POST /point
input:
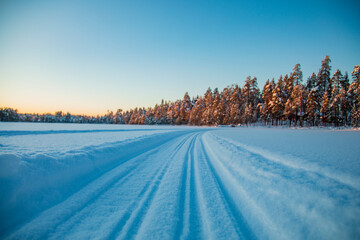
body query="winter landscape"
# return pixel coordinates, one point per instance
(179, 119)
(71, 181)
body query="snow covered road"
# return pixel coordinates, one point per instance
(178, 183)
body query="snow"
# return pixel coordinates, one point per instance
(49, 138)
(66, 181)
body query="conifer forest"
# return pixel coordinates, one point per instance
(323, 99)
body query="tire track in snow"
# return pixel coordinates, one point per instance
(165, 216)
(294, 176)
(83, 198)
(261, 224)
(80, 216)
(284, 188)
(40, 228)
(182, 197)
(65, 177)
(111, 225)
(137, 216)
(145, 195)
(191, 224)
(283, 163)
(217, 220)
(241, 225)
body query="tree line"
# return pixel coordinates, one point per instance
(323, 100)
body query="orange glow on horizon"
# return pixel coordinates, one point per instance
(32, 110)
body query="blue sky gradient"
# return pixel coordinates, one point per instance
(90, 56)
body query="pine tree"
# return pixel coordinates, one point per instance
(335, 98)
(312, 105)
(251, 95)
(288, 89)
(335, 107)
(142, 116)
(118, 117)
(177, 113)
(354, 95)
(298, 102)
(290, 108)
(277, 104)
(324, 111)
(329, 89)
(297, 74)
(265, 109)
(323, 76)
(344, 82)
(289, 111)
(164, 109)
(248, 115)
(236, 106)
(217, 108)
(288, 86)
(323, 80)
(170, 113)
(337, 79)
(311, 82)
(207, 116)
(58, 116)
(198, 108)
(185, 108)
(225, 103)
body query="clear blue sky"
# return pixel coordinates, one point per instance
(90, 56)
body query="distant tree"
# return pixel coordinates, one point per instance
(177, 113)
(58, 116)
(109, 116)
(185, 108)
(207, 116)
(354, 95)
(152, 115)
(288, 86)
(170, 113)
(217, 108)
(312, 106)
(265, 106)
(323, 76)
(251, 95)
(298, 98)
(225, 104)
(236, 105)
(163, 112)
(277, 104)
(297, 74)
(322, 84)
(9, 114)
(324, 111)
(197, 112)
(118, 118)
(248, 114)
(335, 99)
(68, 117)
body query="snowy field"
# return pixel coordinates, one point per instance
(73, 181)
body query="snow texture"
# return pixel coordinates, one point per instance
(71, 181)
